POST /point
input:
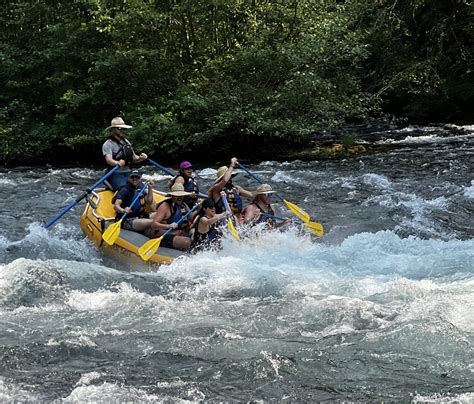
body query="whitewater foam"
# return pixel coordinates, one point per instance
(469, 191)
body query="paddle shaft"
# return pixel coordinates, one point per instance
(113, 231)
(180, 220)
(279, 217)
(309, 224)
(134, 200)
(80, 198)
(164, 169)
(149, 248)
(169, 172)
(314, 227)
(230, 224)
(226, 204)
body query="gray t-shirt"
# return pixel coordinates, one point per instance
(111, 147)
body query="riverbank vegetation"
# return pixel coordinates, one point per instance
(212, 76)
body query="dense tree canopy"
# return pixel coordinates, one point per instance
(217, 74)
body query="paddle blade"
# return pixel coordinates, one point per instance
(304, 216)
(111, 234)
(231, 227)
(316, 228)
(148, 249)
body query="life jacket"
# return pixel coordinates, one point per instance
(125, 152)
(201, 240)
(137, 208)
(234, 200)
(190, 185)
(177, 213)
(185, 224)
(265, 217)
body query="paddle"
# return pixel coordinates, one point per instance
(164, 169)
(169, 172)
(148, 249)
(314, 229)
(304, 216)
(230, 224)
(113, 231)
(80, 198)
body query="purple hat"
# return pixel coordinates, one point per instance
(184, 165)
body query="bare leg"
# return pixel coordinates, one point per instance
(141, 224)
(182, 243)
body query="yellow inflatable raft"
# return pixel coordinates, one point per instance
(99, 214)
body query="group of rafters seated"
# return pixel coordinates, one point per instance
(195, 223)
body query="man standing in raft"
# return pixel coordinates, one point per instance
(233, 192)
(117, 150)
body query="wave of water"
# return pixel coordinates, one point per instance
(277, 308)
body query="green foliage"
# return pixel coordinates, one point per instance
(347, 140)
(210, 75)
(421, 56)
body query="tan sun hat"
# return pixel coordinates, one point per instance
(178, 190)
(118, 122)
(221, 172)
(264, 189)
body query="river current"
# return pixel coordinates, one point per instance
(379, 309)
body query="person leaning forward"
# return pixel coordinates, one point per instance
(168, 213)
(137, 218)
(117, 150)
(233, 192)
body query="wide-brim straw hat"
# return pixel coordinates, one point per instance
(118, 122)
(221, 172)
(264, 189)
(178, 190)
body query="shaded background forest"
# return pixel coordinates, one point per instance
(208, 76)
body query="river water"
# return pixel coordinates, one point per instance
(380, 308)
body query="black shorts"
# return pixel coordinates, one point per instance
(167, 241)
(127, 223)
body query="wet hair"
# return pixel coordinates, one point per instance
(207, 203)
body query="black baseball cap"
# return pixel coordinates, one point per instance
(135, 173)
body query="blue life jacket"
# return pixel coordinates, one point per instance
(127, 194)
(265, 217)
(177, 213)
(137, 206)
